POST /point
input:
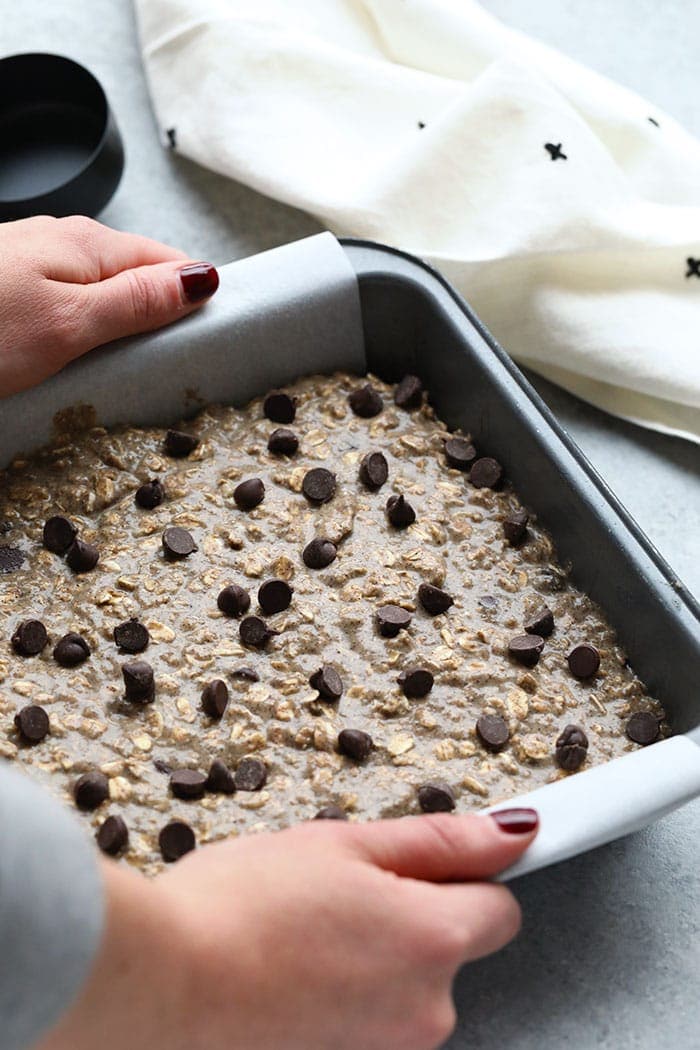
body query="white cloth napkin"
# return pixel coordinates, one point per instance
(564, 207)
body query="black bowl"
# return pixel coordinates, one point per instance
(60, 149)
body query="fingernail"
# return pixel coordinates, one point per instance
(199, 281)
(516, 821)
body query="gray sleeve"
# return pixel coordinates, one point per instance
(51, 909)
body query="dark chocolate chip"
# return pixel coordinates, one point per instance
(400, 512)
(220, 780)
(139, 683)
(249, 494)
(112, 836)
(488, 602)
(233, 600)
(215, 698)
(179, 444)
(486, 473)
(150, 495)
(374, 470)
(643, 728)
(29, 638)
(175, 840)
(91, 790)
(251, 775)
(187, 783)
(255, 632)
(515, 527)
(355, 744)
(11, 559)
(33, 723)
(319, 485)
(331, 812)
(71, 650)
(459, 453)
(274, 596)
(415, 682)
(328, 682)
(319, 553)
(365, 401)
(571, 748)
(283, 442)
(493, 732)
(434, 600)
(541, 622)
(247, 673)
(131, 636)
(526, 648)
(280, 407)
(584, 660)
(162, 767)
(58, 534)
(178, 543)
(409, 392)
(82, 556)
(391, 619)
(436, 798)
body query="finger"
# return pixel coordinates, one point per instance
(445, 848)
(470, 921)
(78, 249)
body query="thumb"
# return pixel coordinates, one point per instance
(445, 848)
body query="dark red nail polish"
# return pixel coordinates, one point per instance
(516, 821)
(199, 281)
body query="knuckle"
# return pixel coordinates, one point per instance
(65, 324)
(437, 1024)
(145, 298)
(79, 227)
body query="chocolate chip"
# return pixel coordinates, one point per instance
(112, 836)
(355, 744)
(328, 682)
(331, 812)
(220, 780)
(179, 444)
(526, 648)
(319, 553)
(251, 775)
(436, 798)
(433, 600)
(365, 401)
(215, 698)
(131, 636)
(150, 495)
(162, 767)
(11, 559)
(283, 442)
(71, 650)
(515, 527)
(643, 728)
(255, 632)
(415, 682)
(82, 556)
(400, 512)
(29, 638)
(571, 748)
(374, 470)
(488, 602)
(319, 485)
(139, 683)
(187, 783)
(493, 732)
(91, 790)
(175, 840)
(280, 407)
(58, 534)
(233, 600)
(274, 596)
(246, 672)
(459, 453)
(391, 619)
(249, 494)
(33, 723)
(541, 622)
(178, 543)
(409, 392)
(583, 660)
(486, 473)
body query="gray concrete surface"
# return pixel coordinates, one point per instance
(610, 951)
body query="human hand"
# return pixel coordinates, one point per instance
(68, 285)
(328, 936)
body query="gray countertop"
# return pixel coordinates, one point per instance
(610, 949)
